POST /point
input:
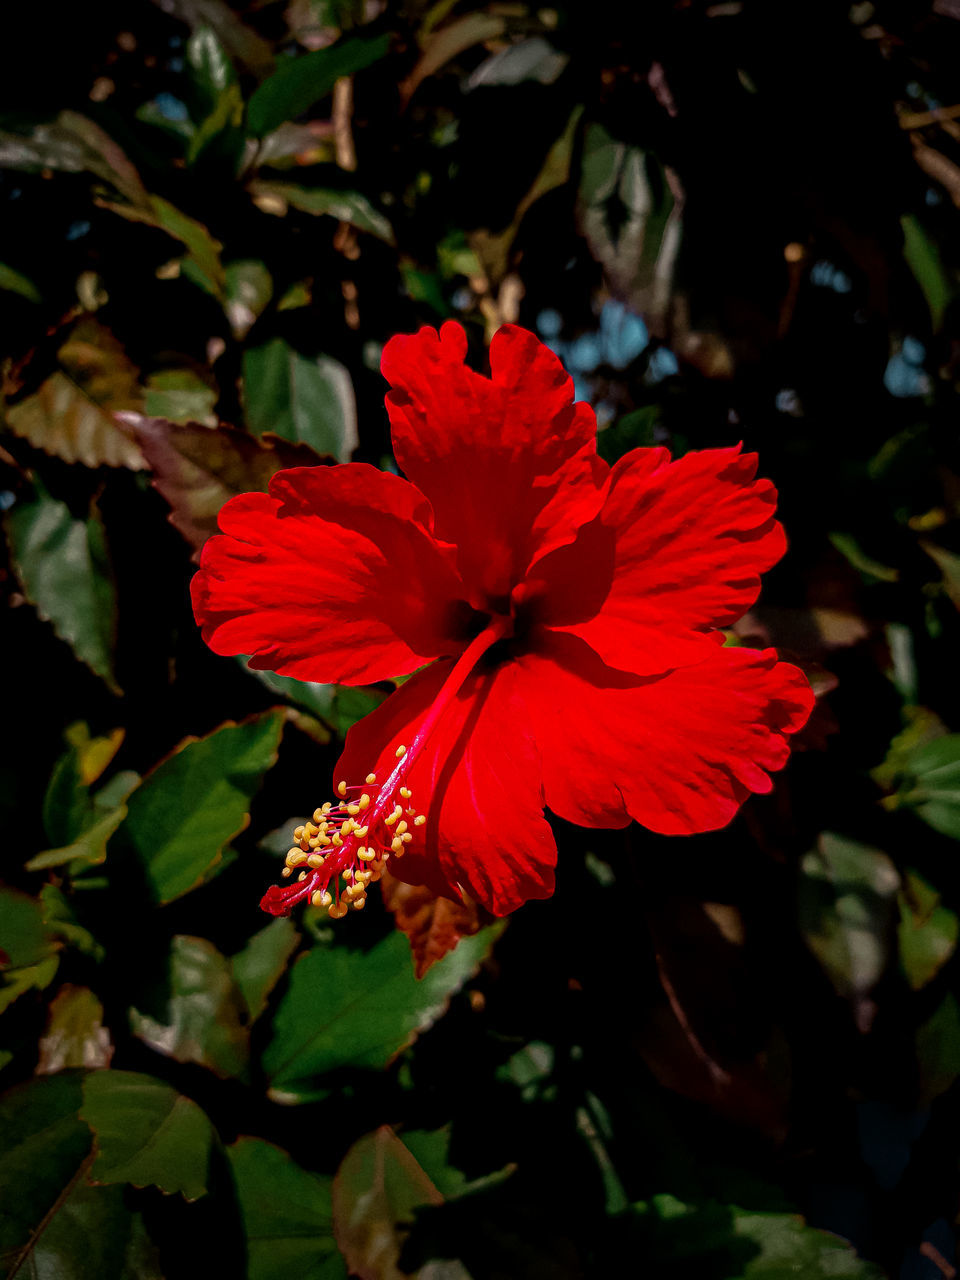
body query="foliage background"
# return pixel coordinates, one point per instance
(734, 221)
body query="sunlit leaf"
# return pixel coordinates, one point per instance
(71, 415)
(287, 1215)
(147, 1134)
(432, 924)
(847, 904)
(300, 399)
(75, 1034)
(63, 566)
(185, 812)
(197, 469)
(378, 1187)
(301, 81)
(359, 1008)
(346, 206)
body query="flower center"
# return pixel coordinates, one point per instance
(348, 843)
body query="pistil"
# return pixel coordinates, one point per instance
(349, 842)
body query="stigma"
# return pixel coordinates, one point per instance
(346, 846)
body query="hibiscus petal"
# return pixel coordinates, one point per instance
(477, 780)
(688, 541)
(332, 576)
(679, 752)
(508, 462)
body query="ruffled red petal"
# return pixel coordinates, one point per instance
(677, 550)
(477, 780)
(508, 462)
(679, 752)
(332, 576)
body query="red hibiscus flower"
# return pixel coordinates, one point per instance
(557, 619)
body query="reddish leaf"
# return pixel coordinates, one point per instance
(433, 925)
(198, 468)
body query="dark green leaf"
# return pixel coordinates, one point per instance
(346, 206)
(378, 1187)
(930, 783)
(180, 396)
(310, 401)
(63, 566)
(43, 1147)
(927, 933)
(27, 950)
(249, 289)
(259, 966)
(938, 1050)
(205, 1020)
(287, 1215)
(847, 900)
(923, 259)
(359, 1008)
(299, 82)
(147, 1134)
(186, 810)
(14, 282)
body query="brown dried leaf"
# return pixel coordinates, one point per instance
(72, 414)
(76, 1036)
(433, 925)
(198, 468)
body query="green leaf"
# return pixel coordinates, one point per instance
(197, 470)
(83, 822)
(75, 1035)
(249, 289)
(216, 90)
(287, 1215)
(91, 1235)
(206, 1019)
(927, 933)
(43, 1147)
(930, 783)
(203, 251)
(262, 962)
(376, 1192)
(938, 1050)
(847, 899)
(301, 399)
(359, 1008)
(339, 706)
(65, 572)
(185, 812)
(13, 282)
(180, 396)
(71, 415)
(147, 1134)
(345, 206)
(923, 259)
(62, 926)
(299, 82)
(723, 1240)
(28, 957)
